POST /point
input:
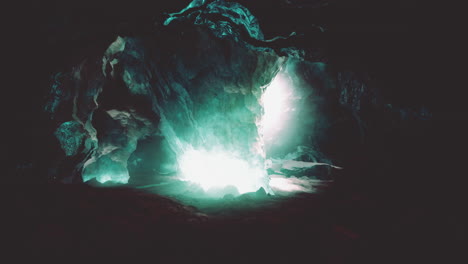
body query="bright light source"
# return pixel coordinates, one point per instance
(276, 101)
(217, 169)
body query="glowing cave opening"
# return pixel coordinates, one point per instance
(218, 169)
(277, 103)
(222, 169)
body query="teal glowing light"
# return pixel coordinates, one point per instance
(106, 169)
(122, 178)
(221, 169)
(218, 169)
(277, 104)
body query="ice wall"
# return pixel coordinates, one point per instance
(195, 83)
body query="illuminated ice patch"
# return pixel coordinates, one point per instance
(292, 184)
(217, 169)
(123, 178)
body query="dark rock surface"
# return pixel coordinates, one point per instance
(84, 222)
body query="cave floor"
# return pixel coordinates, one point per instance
(326, 227)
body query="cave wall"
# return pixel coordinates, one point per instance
(358, 100)
(190, 84)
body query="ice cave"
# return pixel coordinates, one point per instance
(226, 105)
(234, 131)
